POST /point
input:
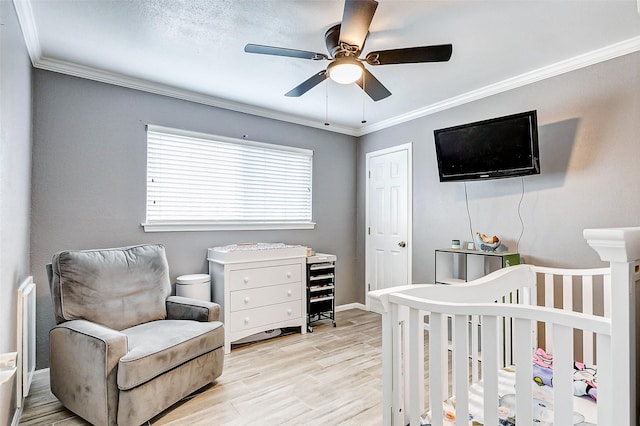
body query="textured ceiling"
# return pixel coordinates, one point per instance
(194, 49)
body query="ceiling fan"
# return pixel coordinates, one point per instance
(345, 42)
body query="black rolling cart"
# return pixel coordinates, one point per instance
(321, 286)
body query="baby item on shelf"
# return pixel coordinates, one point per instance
(485, 242)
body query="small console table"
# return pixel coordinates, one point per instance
(455, 266)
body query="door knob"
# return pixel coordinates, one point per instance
(402, 244)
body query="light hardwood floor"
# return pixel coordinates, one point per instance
(329, 377)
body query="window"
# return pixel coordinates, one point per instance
(197, 181)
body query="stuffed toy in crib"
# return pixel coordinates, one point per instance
(584, 377)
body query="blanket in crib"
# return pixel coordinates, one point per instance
(584, 376)
(584, 414)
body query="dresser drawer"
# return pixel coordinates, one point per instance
(265, 315)
(242, 279)
(262, 296)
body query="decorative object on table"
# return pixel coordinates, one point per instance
(501, 248)
(485, 242)
(471, 246)
(455, 244)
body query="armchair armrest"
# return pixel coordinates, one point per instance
(83, 358)
(184, 308)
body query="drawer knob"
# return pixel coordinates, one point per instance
(246, 299)
(288, 292)
(246, 320)
(246, 280)
(289, 311)
(288, 274)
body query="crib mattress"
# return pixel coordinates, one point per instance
(585, 412)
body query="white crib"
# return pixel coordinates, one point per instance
(479, 328)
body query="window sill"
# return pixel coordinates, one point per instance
(194, 227)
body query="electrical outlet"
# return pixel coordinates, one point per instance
(8, 360)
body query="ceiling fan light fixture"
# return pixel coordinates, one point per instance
(345, 70)
(345, 42)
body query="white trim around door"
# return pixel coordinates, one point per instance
(405, 241)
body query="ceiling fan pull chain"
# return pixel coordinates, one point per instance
(326, 103)
(364, 92)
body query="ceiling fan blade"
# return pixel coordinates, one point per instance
(411, 55)
(307, 85)
(373, 87)
(281, 51)
(356, 19)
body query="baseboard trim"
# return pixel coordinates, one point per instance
(16, 415)
(351, 306)
(40, 372)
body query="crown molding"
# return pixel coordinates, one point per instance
(95, 74)
(29, 29)
(615, 50)
(32, 41)
(30, 34)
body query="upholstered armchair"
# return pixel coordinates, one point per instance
(124, 349)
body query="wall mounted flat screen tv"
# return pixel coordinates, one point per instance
(490, 149)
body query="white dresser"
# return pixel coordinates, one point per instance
(259, 287)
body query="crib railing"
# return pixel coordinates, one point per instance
(600, 303)
(577, 290)
(523, 318)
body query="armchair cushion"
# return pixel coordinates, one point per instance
(118, 288)
(159, 346)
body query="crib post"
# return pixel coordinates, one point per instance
(395, 353)
(397, 363)
(416, 366)
(387, 365)
(621, 247)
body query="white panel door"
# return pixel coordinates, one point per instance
(388, 260)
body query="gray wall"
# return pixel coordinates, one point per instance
(89, 159)
(15, 174)
(89, 174)
(589, 130)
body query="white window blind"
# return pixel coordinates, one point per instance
(198, 182)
